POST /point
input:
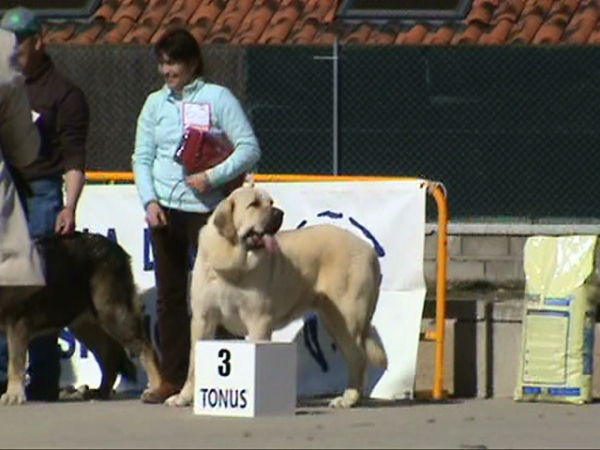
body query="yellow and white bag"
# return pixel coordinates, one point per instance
(561, 292)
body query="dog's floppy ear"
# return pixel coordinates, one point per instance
(248, 180)
(223, 220)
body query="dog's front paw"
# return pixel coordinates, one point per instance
(350, 398)
(341, 402)
(13, 397)
(178, 400)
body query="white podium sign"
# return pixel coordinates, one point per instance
(245, 379)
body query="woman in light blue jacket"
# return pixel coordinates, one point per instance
(178, 205)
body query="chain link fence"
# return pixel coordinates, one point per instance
(510, 130)
(290, 103)
(116, 80)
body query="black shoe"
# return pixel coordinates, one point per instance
(42, 393)
(3, 386)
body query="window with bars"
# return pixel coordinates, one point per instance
(404, 9)
(54, 9)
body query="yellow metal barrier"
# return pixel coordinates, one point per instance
(435, 189)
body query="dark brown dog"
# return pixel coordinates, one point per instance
(91, 290)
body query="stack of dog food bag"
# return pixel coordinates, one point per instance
(561, 295)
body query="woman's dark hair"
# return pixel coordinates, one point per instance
(179, 45)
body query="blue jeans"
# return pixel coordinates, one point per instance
(41, 209)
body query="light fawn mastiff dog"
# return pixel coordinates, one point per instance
(253, 281)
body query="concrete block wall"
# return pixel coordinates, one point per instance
(478, 258)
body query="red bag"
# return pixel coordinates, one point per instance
(200, 150)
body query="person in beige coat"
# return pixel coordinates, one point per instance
(20, 263)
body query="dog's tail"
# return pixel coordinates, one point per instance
(375, 351)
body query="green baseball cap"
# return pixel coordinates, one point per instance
(21, 21)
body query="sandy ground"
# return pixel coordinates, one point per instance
(459, 425)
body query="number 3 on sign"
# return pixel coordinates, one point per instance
(224, 368)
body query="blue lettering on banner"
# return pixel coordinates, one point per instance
(378, 248)
(111, 233)
(68, 337)
(149, 262)
(330, 214)
(310, 329)
(338, 215)
(224, 398)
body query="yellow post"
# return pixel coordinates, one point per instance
(440, 305)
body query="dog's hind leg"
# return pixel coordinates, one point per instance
(17, 337)
(120, 314)
(348, 338)
(149, 360)
(201, 328)
(129, 331)
(111, 356)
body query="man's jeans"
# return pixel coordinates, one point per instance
(41, 208)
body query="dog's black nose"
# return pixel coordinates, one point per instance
(276, 221)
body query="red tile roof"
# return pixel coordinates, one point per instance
(314, 21)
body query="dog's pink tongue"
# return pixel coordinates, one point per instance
(271, 244)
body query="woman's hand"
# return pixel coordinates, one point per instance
(155, 216)
(199, 181)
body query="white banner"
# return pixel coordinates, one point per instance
(388, 214)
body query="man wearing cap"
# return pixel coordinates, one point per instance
(60, 111)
